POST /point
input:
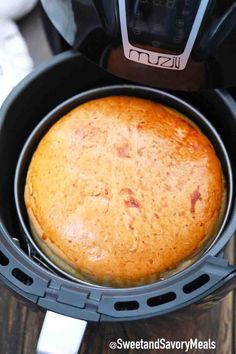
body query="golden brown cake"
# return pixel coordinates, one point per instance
(122, 189)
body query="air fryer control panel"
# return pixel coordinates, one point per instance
(160, 25)
(160, 33)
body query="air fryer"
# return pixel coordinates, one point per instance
(53, 89)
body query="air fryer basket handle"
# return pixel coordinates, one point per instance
(60, 334)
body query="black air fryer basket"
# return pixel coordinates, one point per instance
(28, 273)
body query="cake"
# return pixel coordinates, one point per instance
(122, 190)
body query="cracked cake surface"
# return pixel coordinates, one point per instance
(122, 189)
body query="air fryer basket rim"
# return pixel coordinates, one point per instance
(53, 292)
(125, 89)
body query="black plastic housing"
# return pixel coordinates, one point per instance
(94, 27)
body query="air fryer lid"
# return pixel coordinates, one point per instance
(182, 45)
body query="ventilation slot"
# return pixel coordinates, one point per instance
(4, 261)
(196, 284)
(161, 299)
(126, 306)
(22, 277)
